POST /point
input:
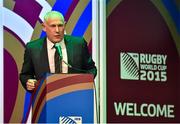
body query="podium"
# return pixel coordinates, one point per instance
(64, 98)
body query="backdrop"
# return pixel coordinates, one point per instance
(143, 61)
(22, 23)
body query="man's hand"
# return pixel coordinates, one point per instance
(31, 83)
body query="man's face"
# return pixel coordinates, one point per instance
(54, 29)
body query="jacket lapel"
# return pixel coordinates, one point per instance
(44, 57)
(69, 49)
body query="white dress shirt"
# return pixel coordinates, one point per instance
(51, 52)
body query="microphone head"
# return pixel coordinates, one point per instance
(58, 48)
(57, 45)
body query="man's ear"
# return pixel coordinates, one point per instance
(65, 23)
(43, 26)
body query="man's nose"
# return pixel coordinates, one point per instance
(57, 29)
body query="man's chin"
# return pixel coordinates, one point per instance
(57, 40)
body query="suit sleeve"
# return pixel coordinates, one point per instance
(88, 63)
(27, 71)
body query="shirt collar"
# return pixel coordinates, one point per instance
(50, 44)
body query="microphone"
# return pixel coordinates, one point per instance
(77, 69)
(58, 48)
(70, 66)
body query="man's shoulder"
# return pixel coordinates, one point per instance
(74, 39)
(36, 43)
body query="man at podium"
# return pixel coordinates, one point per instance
(55, 53)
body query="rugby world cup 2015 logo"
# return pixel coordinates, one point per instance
(143, 66)
(70, 120)
(129, 66)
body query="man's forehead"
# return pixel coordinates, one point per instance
(55, 21)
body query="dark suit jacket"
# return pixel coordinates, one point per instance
(36, 62)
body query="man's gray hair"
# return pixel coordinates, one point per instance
(54, 14)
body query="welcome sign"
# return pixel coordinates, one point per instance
(143, 64)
